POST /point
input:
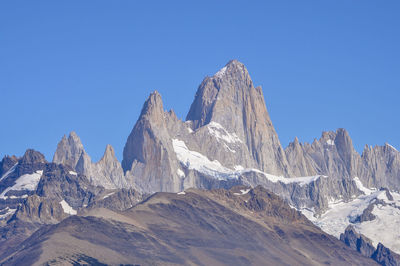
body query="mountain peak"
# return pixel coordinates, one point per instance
(228, 89)
(233, 70)
(31, 156)
(153, 106)
(69, 150)
(108, 153)
(230, 99)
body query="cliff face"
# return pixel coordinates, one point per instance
(149, 161)
(381, 167)
(230, 99)
(334, 155)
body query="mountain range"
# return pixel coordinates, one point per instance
(217, 188)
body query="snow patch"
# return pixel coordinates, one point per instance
(275, 179)
(108, 195)
(180, 173)
(219, 132)
(72, 173)
(391, 146)
(385, 228)
(181, 193)
(197, 161)
(330, 142)
(25, 182)
(67, 209)
(238, 168)
(242, 192)
(340, 214)
(220, 73)
(361, 187)
(245, 191)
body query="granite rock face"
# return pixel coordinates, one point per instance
(381, 167)
(230, 99)
(69, 150)
(334, 155)
(149, 161)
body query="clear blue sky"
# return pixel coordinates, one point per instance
(88, 66)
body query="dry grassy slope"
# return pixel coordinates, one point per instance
(215, 227)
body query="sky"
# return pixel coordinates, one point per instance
(88, 66)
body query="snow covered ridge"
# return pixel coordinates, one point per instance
(27, 182)
(196, 161)
(385, 228)
(219, 132)
(299, 180)
(9, 172)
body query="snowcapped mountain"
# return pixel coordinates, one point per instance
(227, 140)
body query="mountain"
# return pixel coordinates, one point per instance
(230, 99)
(35, 193)
(241, 226)
(226, 142)
(107, 172)
(228, 139)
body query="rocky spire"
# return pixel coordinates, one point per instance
(350, 157)
(230, 99)
(153, 108)
(300, 163)
(32, 157)
(110, 168)
(151, 117)
(228, 88)
(381, 167)
(332, 155)
(107, 172)
(69, 150)
(148, 159)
